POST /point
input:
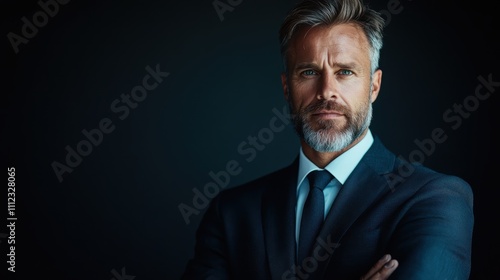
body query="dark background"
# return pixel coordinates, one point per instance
(118, 209)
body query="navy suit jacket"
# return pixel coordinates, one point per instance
(423, 218)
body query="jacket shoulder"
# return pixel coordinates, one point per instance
(256, 187)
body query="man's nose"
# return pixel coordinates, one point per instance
(328, 88)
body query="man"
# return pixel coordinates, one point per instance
(371, 205)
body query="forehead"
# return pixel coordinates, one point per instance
(345, 40)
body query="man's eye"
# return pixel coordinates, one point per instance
(345, 72)
(309, 73)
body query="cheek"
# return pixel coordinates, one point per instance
(353, 87)
(360, 104)
(355, 95)
(302, 101)
(303, 94)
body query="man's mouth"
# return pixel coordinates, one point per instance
(327, 114)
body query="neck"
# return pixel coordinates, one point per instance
(322, 159)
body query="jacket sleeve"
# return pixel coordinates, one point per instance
(210, 260)
(433, 240)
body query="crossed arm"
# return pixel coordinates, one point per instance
(432, 239)
(382, 269)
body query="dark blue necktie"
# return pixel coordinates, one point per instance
(312, 215)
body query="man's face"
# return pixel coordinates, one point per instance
(329, 86)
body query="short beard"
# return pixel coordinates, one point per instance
(330, 136)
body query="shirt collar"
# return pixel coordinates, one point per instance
(342, 166)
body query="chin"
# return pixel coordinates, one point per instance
(332, 126)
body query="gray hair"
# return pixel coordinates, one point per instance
(329, 12)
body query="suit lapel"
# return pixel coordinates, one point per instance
(362, 188)
(278, 216)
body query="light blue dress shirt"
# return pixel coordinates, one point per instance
(340, 168)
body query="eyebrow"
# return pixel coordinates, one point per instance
(308, 65)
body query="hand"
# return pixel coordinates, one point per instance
(382, 269)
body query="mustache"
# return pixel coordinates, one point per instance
(325, 105)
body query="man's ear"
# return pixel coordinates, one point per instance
(284, 84)
(376, 84)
